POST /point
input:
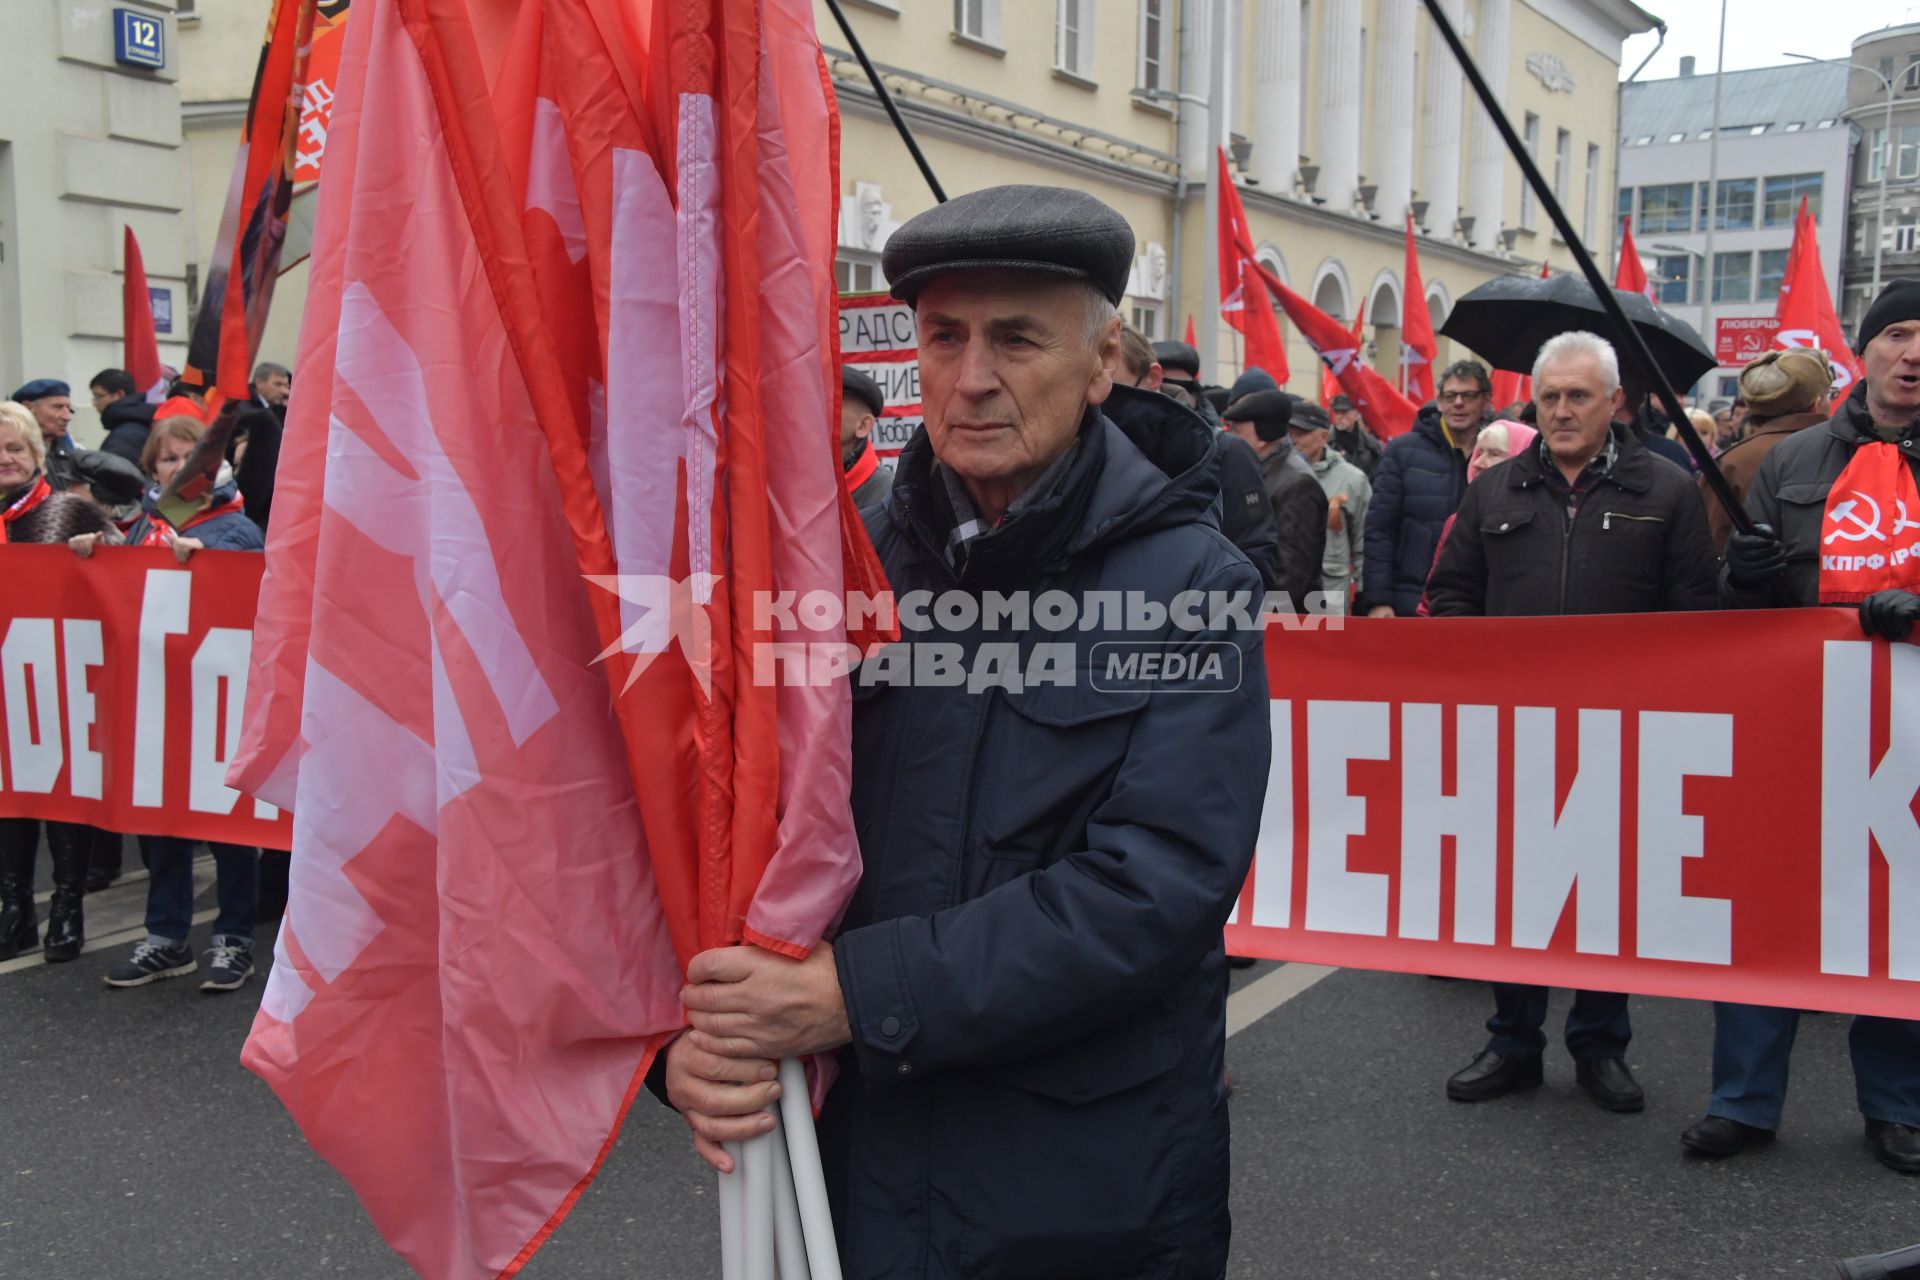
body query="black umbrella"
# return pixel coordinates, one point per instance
(1506, 320)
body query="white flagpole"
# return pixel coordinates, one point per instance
(732, 1222)
(809, 1180)
(756, 1218)
(789, 1239)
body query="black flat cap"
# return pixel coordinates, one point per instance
(862, 388)
(1308, 416)
(1177, 357)
(1014, 228)
(113, 479)
(1268, 411)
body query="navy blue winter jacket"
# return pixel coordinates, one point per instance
(1419, 483)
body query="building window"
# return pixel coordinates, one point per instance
(1733, 211)
(1783, 198)
(1152, 73)
(1703, 204)
(1531, 135)
(184, 9)
(1886, 70)
(1593, 193)
(1911, 80)
(1773, 270)
(1622, 210)
(1667, 209)
(1145, 318)
(1733, 277)
(1073, 37)
(1903, 237)
(1562, 162)
(977, 20)
(858, 273)
(1907, 160)
(1877, 155)
(1676, 276)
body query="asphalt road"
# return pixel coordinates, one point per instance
(133, 1146)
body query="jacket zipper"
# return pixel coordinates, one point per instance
(1606, 521)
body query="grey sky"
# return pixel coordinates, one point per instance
(1758, 31)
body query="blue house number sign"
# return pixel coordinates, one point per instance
(139, 39)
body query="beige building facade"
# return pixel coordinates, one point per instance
(88, 145)
(1343, 116)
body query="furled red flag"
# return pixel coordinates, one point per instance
(1418, 350)
(1330, 385)
(1190, 330)
(1630, 274)
(140, 346)
(1385, 410)
(253, 223)
(1510, 387)
(503, 856)
(1243, 299)
(320, 87)
(1805, 309)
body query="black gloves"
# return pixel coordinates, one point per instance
(1754, 558)
(1890, 614)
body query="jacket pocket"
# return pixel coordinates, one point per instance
(1098, 1067)
(1803, 511)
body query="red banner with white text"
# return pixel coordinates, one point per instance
(121, 681)
(1580, 802)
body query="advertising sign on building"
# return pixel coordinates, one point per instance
(1738, 339)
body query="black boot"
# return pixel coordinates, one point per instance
(72, 848)
(19, 927)
(103, 867)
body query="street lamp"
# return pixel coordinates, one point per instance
(1886, 157)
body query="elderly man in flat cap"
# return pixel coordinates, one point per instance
(51, 403)
(1785, 391)
(861, 404)
(1261, 420)
(1847, 484)
(1026, 997)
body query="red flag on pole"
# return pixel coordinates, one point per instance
(503, 855)
(140, 346)
(1630, 274)
(1510, 387)
(1330, 385)
(1190, 339)
(1385, 410)
(1243, 299)
(1418, 349)
(1805, 309)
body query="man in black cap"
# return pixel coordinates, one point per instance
(1027, 995)
(51, 403)
(1350, 436)
(1299, 503)
(861, 405)
(1839, 524)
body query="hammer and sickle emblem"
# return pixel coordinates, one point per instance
(1848, 511)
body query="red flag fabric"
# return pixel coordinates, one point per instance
(1385, 410)
(1418, 348)
(1243, 299)
(1805, 309)
(140, 346)
(1190, 338)
(1330, 385)
(505, 856)
(1510, 387)
(1630, 274)
(246, 252)
(320, 87)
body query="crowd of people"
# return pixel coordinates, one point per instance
(53, 491)
(1584, 500)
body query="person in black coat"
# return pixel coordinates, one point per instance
(125, 415)
(1587, 521)
(1027, 995)
(1260, 420)
(1419, 483)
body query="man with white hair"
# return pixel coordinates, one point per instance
(1585, 522)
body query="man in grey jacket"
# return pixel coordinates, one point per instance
(1348, 492)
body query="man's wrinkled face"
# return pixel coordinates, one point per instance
(1575, 409)
(1311, 444)
(1346, 419)
(1462, 405)
(1007, 371)
(53, 413)
(275, 389)
(1892, 361)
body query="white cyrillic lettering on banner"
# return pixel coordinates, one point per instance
(1863, 802)
(1273, 876)
(28, 657)
(221, 660)
(1339, 900)
(82, 650)
(164, 603)
(1552, 857)
(1672, 926)
(1471, 815)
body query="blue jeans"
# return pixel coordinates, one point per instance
(1752, 1045)
(1597, 1026)
(170, 888)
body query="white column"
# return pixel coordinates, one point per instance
(1196, 54)
(1276, 94)
(1440, 136)
(1487, 158)
(1337, 149)
(1390, 164)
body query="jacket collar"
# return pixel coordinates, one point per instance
(1632, 467)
